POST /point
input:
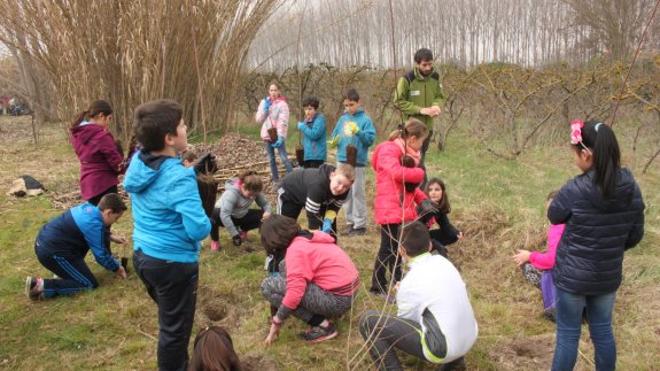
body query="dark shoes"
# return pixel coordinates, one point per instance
(350, 231)
(318, 334)
(32, 288)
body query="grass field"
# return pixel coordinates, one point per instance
(497, 203)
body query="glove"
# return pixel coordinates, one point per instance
(426, 210)
(301, 125)
(350, 129)
(327, 225)
(267, 104)
(278, 143)
(333, 143)
(237, 240)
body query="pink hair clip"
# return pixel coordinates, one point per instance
(576, 131)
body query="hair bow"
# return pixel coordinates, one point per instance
(576, 131)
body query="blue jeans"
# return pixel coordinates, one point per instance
(284, 157)
(569, 319)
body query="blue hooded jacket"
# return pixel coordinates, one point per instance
(168, 217)
(313, 138)
(362, 140)
(74, 233)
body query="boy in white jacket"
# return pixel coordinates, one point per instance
(433, 323)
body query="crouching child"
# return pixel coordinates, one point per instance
(431, 324)
(317, 279)
(63, 243)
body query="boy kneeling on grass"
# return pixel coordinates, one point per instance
(63, 243)
(317, 279)
(435, 323)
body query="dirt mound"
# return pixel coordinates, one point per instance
(235, 154)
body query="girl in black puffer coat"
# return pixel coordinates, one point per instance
(604, 215)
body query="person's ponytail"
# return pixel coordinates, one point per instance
(606, 155)
(79, 118)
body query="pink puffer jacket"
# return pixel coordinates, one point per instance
(392, 204)
(276, 117)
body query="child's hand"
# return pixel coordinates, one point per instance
(279, 143)
(522, 257)
(121, 272)
(333, 143)
(301, 125)
(265, 216)
(274, 331)
(117, 239)
(460, 236)
(436, 111)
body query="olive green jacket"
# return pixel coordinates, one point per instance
(414, 92)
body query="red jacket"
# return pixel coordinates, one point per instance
(392, 203)
(320, 261)
(100, 160)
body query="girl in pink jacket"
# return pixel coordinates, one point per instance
(317, 279)
(534, 263)
(397, 195)
(273, 113)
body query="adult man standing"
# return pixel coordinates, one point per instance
(419, 94)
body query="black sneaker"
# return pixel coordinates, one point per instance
(31, 288)
(318, 334)
(357, 231)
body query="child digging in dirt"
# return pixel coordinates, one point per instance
(168, 224)
(233, 211)
(213, 350)
(317, 279)
(355, 132)
(437, 325)
(604, 215)
(435, 210)
(321, 192)
(63, 243)
(397, 194)
(312, 129)
(535, 265)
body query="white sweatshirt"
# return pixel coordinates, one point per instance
(434, 283)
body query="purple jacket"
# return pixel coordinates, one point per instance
(100, 160)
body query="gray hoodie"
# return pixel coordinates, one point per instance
(233, 204)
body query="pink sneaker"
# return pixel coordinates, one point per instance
(243, 235)
(215, 245)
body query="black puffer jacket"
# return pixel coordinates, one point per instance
(590, 254)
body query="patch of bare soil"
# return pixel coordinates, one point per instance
(216, 308)
(524, 353)
(258, 363)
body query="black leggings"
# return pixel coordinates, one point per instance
(387, 259)
(251, 220)
(96, 199)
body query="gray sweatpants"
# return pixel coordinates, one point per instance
(356, 201)
(315, 301)
(386, 333)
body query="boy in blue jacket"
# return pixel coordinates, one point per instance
(355, 128)
(312, 129)
(168, 225)
(63, 243)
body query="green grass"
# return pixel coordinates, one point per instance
(498, 203)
